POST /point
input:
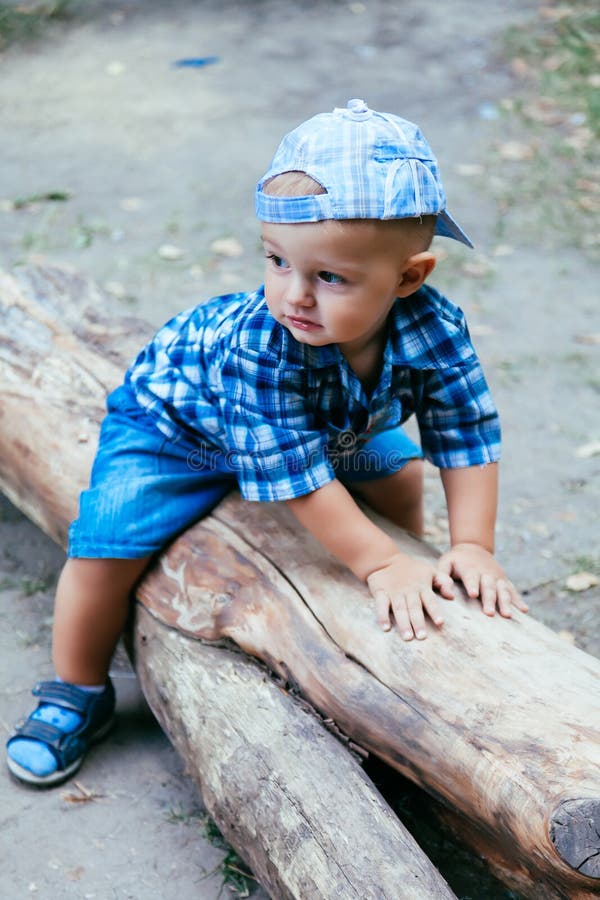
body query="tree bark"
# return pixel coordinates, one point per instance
(497, 719)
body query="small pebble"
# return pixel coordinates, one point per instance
(230, 247)
(115, 68)
(170, 252)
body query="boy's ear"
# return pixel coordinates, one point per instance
(416, 269)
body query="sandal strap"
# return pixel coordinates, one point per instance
(65, 747)
(59, 693)
(40, 731)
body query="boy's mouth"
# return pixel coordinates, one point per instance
(302, 324)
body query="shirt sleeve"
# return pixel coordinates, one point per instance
(457, 418)
(274, 446)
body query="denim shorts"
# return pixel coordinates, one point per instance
(143, 490)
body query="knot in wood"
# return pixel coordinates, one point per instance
(575, 833)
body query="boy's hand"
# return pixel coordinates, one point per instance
(482, 577)
(406, 585)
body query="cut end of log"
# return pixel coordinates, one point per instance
(575, 833)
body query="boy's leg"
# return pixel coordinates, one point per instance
(91, 609)
(92, 601)
(142, 493)
(398, 497)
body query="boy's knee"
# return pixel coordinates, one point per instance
(410, 478)
(398, 496)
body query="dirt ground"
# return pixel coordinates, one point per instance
(157, 165)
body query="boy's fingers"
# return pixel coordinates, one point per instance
(415, 612)
(488, 595)
(515, 597)
(401, 614)
(382, 610)
(505, 598)
(471, 581)
(444, 584)
(432, 608)
(519, 602)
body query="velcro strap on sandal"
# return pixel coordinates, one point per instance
(40, 731)
(68, 696)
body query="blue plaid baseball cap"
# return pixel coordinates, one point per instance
(372, 165)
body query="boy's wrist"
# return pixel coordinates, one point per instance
(367, 566)
(395, 557)
(470, 543)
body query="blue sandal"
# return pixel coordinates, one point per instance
(65, 723)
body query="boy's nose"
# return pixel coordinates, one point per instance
(299, 292)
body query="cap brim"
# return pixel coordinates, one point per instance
(446, 227)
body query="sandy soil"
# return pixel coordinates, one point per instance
(154, 155)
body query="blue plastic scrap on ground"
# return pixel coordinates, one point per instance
(197, 62)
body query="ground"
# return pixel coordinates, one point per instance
(140, 173)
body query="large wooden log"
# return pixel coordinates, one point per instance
(499, 720)
(283, 790)
(287, 794)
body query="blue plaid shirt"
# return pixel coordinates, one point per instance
(227, 377)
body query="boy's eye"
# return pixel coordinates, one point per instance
(278, 261)
(330, 278)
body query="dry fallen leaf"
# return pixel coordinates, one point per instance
(469, 170)
(555, 61)
(76, 874)
(544, 111)
(117, 289)
(520, 68)
(555, 13)
(515, 151)
(567, 636)
(586, 184)
(503, 250)
(589, 204)
(84, 795)
(227, 247)
(478, 268)
(580, 138)
(591, 339)
(586, 451)
(581, 581)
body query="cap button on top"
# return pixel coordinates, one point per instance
(357, 106)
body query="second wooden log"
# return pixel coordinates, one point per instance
(285, 793)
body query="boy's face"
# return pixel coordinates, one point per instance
(335, 282)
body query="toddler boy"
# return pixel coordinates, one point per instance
(296, 392)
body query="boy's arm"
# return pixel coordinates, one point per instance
(472, 499)
(395, 579)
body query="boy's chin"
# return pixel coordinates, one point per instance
(303, 337)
